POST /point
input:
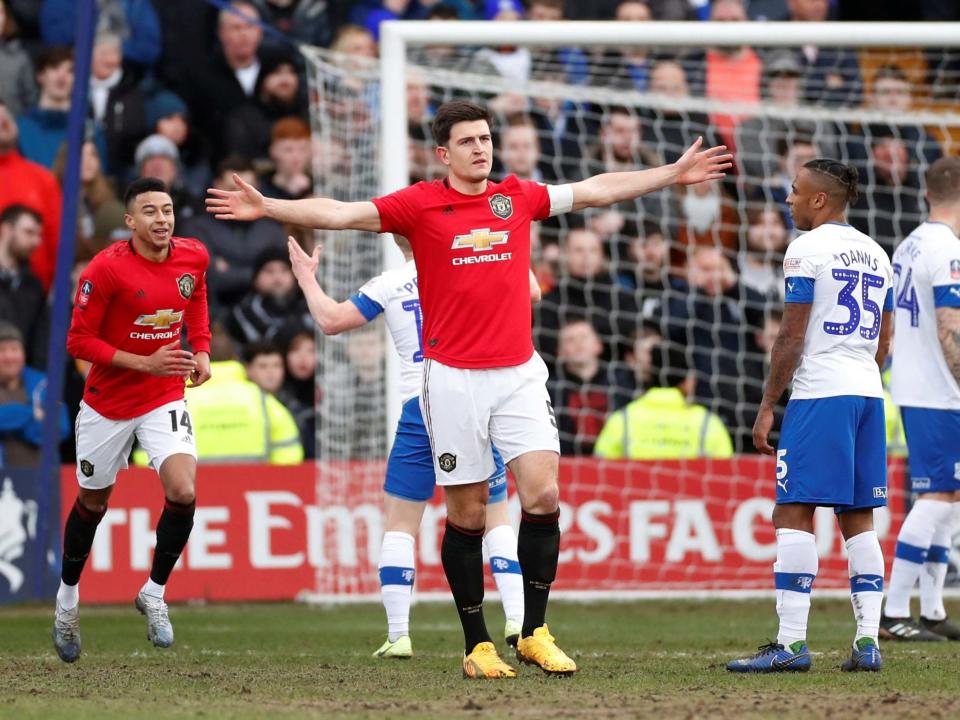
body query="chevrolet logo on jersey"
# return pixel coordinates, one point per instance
(160, 319)
(480, 240)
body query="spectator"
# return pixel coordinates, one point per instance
(663, 423)
(157, 156)
(27, 183)
(768, 10)
(44, 127)
(22, 395)
(717, 320)
(387, 10)
(233, 246)
(116, 101)
(650, 276)
(304, 21)
(890, 203)
(279, 94)
(167, 115)
(290, 152)
(620, 145)
(263, 362)
(761, 264)
(520, 151)
(186, 45)
(235, 421)
(23, 301)
(135, 20)
(792, 155)
(99, 213)
(584, 389)
(567, 64)
(758, 138)
(299, 393)
(732, 73)
(512, 63)
(586, 289)
(891, 95)
(627, 67)
(673, 129)
(230, 78)
(708, 216)
(18, 89)
(831, 75)
(274, 304)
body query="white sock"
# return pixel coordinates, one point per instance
(68, 596)
(153, 589)
(501, 545)
(865, 563)
(794, 572)
(935, 571)
(397, 563)
(913, 542)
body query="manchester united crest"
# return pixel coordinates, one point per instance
(186, 283)
(501, 205)
(447, 462)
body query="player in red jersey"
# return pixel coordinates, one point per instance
(483, 383)
(133, 300)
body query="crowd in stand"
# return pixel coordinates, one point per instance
(665, 306)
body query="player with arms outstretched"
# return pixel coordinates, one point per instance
(836, 329)
(926, 387)
(483, 384)
(133, 301)
(410, 478)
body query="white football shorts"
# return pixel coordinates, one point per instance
(466, 411)
(103, 445)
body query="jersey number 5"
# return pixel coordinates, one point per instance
(845, 299)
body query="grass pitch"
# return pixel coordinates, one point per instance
(660, 659)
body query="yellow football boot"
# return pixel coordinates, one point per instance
(483, 663)
(541, 649)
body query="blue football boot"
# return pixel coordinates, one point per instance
(864, 658)
(774, 657)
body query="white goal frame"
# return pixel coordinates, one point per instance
(396, 37)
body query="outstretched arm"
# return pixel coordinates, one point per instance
(332, 317)
(694, 166)
(248, 203)
(787, 349)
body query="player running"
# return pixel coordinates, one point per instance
(410, 479)
(926, 387)
(483, 384)
(833, 451)
(133, 301)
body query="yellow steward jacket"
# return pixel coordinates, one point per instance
(235, 421)
(662, 425)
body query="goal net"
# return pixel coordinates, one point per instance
(694, 271)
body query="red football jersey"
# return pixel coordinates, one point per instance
(126, 302)
(473, 261)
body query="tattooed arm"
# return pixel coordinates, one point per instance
(948, 330)
(785, 356)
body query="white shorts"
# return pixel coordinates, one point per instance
(103, 445)
(466, 411)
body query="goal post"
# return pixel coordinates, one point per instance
(680, 526)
